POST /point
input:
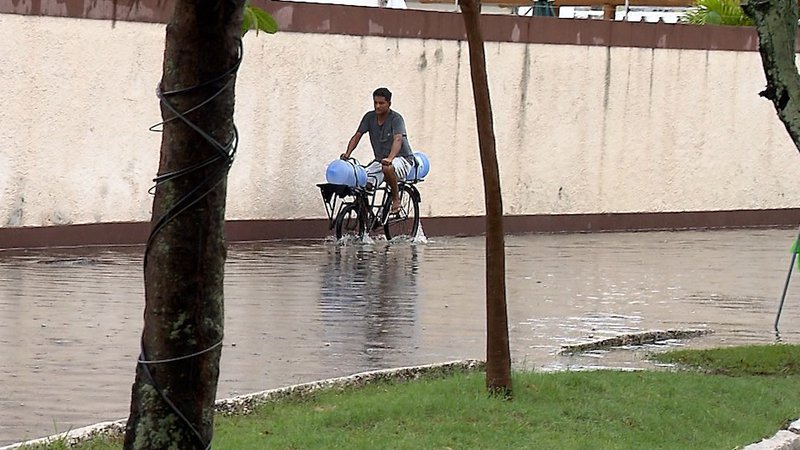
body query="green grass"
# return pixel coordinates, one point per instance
(705, 409)
(765, 360)
(571, 410)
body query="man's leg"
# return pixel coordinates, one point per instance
(374, 175)
(391, 180)
(393, 174)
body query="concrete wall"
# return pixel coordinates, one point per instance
(581, 128)
(77, 101)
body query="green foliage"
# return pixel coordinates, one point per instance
(717, 12)
(771, 360)
(257, 19)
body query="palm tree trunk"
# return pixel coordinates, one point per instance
(498, 356)
(172, 400)
(776, 25)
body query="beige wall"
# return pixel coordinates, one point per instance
(580, 129)
(77, 99)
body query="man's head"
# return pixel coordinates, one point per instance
(383, 100)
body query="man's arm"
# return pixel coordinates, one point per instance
(352, 144)
(398, 131)
(397, 143)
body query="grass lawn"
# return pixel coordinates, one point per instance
(733, 397)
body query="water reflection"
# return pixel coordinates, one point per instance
(300, 311)
(368, 298)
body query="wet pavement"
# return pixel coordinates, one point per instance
(299, 311)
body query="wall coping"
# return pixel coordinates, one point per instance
(317, 18)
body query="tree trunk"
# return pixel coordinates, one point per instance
(498, 356)
(776, 25)
(172, 400)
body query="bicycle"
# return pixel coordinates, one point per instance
(358, 211)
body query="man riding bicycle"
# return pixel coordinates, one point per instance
(387, 134)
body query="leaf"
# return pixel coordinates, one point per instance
(266, 22)
(248, 21)
(717, 12)
(257, 19)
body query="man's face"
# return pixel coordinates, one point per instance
(381, 105)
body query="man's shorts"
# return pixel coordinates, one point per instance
(375, 170)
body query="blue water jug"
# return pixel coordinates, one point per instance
(347, 173)
(425, 167)
(420, 169)
(413, 173)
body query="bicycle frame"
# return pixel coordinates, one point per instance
(371, 204)
(336, 196)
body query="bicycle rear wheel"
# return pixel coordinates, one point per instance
(349, 223)
(406, 222)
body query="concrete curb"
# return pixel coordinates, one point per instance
(782, 440)
(245, 404)
(634, 339)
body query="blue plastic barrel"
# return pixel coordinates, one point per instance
(413, 174)
(347, 173)
(423, 165)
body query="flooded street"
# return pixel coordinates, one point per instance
(70, 320)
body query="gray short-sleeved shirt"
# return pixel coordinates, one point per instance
(381, 136)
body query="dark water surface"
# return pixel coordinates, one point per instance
(70, 320)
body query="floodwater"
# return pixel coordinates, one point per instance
(300, 311)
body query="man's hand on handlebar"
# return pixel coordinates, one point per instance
(386, 162)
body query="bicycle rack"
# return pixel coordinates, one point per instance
(333, 197)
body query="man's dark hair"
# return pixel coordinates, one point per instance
(383, 92)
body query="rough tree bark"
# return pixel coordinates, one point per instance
(184, 260)
(776, 25)
(498, 356)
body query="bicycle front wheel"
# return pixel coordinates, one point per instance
(349, 223)
(406, 222)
